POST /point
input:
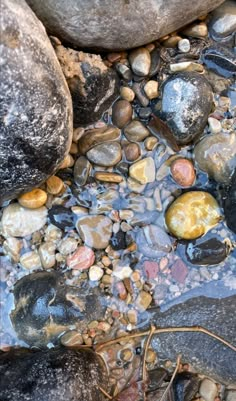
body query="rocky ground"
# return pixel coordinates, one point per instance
(142, 209)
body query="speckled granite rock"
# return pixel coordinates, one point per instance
(55, 374)
(115, 25)
(92, 84)
(36, 110)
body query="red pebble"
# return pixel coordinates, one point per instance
(179, 271)
(81, 259)
(151, 269)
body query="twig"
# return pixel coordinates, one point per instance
(163, 397)
(105, 393)
(144, 375)
(167, 330)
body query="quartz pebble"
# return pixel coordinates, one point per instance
(136, 131)
(208, 390)
(192, 214)
(30, 260)
(121, 272)
(81, 170)
(81, 259)
(33, 199)
(47, 255)
(95, 231)
(18, 221)
(184, 45)
(121, 113)
(143, 300)
(12, 247)
(95, 273)
(151, 89)
(143, 171)
(140, 61)
(127, 93)
(214, 125)
(67, 246)
(183, 172)
(54, 185)
(132, 151)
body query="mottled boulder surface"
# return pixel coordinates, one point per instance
(230, 205)
(92, 84)
(35, 103)
(116, 25)
(52, 375)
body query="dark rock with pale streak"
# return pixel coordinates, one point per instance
(119, 24)
(35, 103)
(52, 375)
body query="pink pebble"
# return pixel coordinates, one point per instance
(81, 259)
(151, 269)
(179, 271)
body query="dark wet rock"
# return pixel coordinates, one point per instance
(121, 113)
(97, 136)
(207, 355)
(61, 217)
(210, 252)
(186, 104)
(185, 386)
(155, 62)
(144, 112)
(210, 158)
(55, 374)
(82, 168)
(230, 205)
(118, 240)
(45, 306)
(223, 21)
(91, 24)
(92, 84)
(221, 60)
(36, 110)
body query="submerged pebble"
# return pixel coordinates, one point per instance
(210, 252)
(143, 171)
(136, 131)
(81, 259)
(106, 154)
(192, 214)
(183, 172)
(33, 199)
(140, 61)
(61, 217)
(121, 113)
(95, 231)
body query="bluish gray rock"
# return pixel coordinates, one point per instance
(119, 24)
(35, 103)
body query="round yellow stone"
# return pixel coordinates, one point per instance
(33, 199)
(192, 214)
(54, 185)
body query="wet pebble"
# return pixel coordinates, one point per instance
(145, 112)
(210, 252)
(196, 30)
(95, 231)
(95, 273)
(183, 172)
(67, 246)
(54, 185)
(18, 221)
(192, 214)
(214, 125)
(143, 171)
(118, 240)
(108, 177)
(136, 131)
(150, 142)
(208, 390)
(230, 205)
(61, 217)
(186, 66)
(179, 271)
(223, 21)
(47, 255)
(151, 269)
(143, 301)
(106, 154)
(155, 62)
(33, 199)
(184, 45)
(72, 339)
(30, 260)
(81, 170)
(151, 89)
(141, 96)
(127, 93)
(81, 259)
(97, 136)
(121, 113)
(140, 61)
(124, 71)
(216, 154)
(132, 151)
(153, 242)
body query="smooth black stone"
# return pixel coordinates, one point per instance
(185, 386)
(230, 205)
(221, 60)
(155, 62)
(118, 241)
(35, 103)
(45, 306)
(61, 217)
(210, 252)
(52, 375)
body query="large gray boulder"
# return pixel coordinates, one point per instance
(119, 24)
(35, 103)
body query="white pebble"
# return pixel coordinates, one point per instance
(30, 260)
(95, 273)
(208, 390)
(184, 45)
(214, 125)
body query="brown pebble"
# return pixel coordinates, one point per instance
(121, 113)
(128, 285)
(126, 354)
(151, 356)
(132, 151)
(150, 142)
(33, 199)
(108, 177)
(78, 132)
(127, 93)
(122, 293)
(74, 148)
(54, 185)
(114, 57)
(183, 172)
(67, 162)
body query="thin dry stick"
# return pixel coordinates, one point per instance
(144, 375)
(105, 393)
(172, 379)
(167, 330)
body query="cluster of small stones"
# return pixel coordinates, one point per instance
(119, 178)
